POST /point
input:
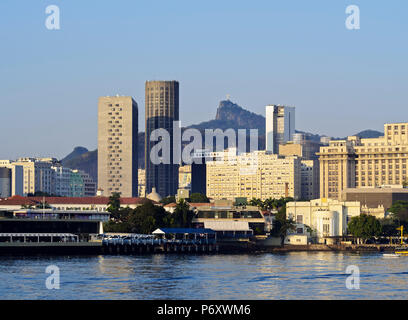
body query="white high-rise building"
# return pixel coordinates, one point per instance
(280, 126)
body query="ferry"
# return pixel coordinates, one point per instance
(401, 251)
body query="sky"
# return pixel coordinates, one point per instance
(291, 52)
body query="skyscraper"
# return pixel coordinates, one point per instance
(117, 145)
(280, 126)
(162, 108)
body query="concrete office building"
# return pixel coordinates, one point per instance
(117, 145)
(16, 179)
(5, 182)
(199, 170)
(162, 108)
(310, 179)
(309, 168)
(38, 174)
(185, 177)
(62, 181)
(253, 175)
(303, 146)
(81, 184)
(358, 163)
(374, 197)
(280, 126)
(141, 186)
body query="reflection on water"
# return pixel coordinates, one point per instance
(297, 275)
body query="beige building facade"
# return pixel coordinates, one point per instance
(259, 174)
(38, 174)
(326, 217)
(185, 177)
(141, 185)
(117, 145)
(358, 163)
(310, 179)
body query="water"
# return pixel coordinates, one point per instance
(300, 275)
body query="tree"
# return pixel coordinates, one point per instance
(198, 198)
(389, 227)
(114, 205)
(182, 216)
(310, 230)
(43, 205)
(167, 200)
(282, 225)
(364, 227)
(400, 211)
(270, 204)
(257, 203)
(405, 184)
(147, 217)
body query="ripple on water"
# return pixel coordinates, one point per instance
(298, 275)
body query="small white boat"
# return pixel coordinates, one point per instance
(391, 255)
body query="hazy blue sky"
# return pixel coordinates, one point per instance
(260, 52)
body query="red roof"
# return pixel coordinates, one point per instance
(170, 205)
(18, 200)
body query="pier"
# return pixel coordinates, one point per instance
(142, 246)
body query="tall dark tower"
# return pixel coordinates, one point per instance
(162, 108)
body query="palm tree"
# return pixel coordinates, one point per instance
(256, 202)
(282, 227)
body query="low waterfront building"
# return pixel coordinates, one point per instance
(230, 230)
(77, 222)
(225, 211)
(372, 197)
(297, 239)
(327, 218)
(68, 203)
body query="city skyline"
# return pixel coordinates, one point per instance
(322, 68)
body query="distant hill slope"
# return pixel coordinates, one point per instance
(369, 134)
(229, 115)
(87, 162)
(78, 151)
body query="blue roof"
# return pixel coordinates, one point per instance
(186, 230)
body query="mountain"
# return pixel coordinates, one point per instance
(231, 115)
(87, 162)
(78, 151)
(369, 134)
